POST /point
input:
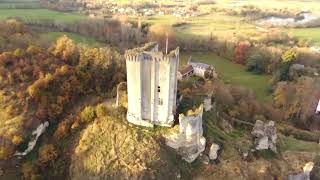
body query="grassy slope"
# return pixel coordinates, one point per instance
(292, 144)
(53, 36)
(234, 74)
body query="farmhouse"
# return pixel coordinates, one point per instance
(200, 69)
(185, 72)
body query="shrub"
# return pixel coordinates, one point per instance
(282, 74)
(101, 110)
(6, 150)
(29, 171)
(18, 53)
(257, 63)
(289, 56)
(16, 140)
(87, 114)
(241, 52)
(62, 130)
(47, 154)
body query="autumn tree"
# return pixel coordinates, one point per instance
(159, 33)
(241, 52)
(101, 110)
(30, 171)
(6, 149)
(16, 140)
(47, 154)
(282, 73)
(87, 114)
(257, 63)
(65, 49)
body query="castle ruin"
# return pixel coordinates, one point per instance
(152, 85)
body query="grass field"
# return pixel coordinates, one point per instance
(292, 144)
(34, 14)
(53, 36)
(234, 74)
(202, 26)
(19, 4)
(311, 34)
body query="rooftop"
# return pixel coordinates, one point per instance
(186, 69)
(199, 65)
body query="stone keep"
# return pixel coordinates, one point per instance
(152, 85)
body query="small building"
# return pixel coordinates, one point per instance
(202, 69)
(185, 72)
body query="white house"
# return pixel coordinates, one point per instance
(201, 69)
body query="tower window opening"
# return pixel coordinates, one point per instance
(160, 101)
(158, 88)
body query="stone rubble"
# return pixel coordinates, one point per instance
(36, 133)
(315, 172)
(266, 135)
(213, 153)
(189, 142)
(305, 175)
(207, 103)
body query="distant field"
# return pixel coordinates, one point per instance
(34, 14)
(19, 4)
(53, 36)
(312, 34)
(312, 5)
(203, 25)
(234, 74)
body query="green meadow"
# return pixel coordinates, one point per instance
(310, 34)
(231, 73)
(78, 39)
(35, 14)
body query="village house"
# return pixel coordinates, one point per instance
(196, 68)
(200, 69)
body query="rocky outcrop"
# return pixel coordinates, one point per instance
(189, 142)
(266, 135)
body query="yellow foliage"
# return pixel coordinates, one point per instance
(234, 113)
(289, 55)
(47, 154)
(6, 151)
(65, 48)
(29, 171)
(16, 140)
(101, 110)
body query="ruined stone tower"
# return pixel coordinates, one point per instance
(152, 85)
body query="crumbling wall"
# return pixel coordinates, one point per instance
(190, 141)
